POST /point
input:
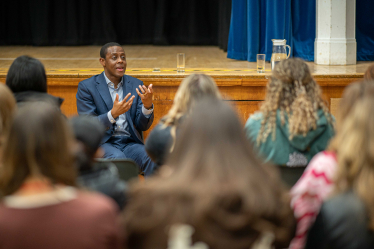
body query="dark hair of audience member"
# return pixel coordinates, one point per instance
(104, 49)
(214, 182)
(89, 132)
(26, 74)
(37, 144)
(369, 73)
(351, 95)
(355, 155)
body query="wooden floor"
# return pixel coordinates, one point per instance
(141, 60)
(238, 81)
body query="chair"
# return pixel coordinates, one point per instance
(127, 168)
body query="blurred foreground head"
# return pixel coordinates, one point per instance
(355, 150)
(89, 132)
(214, 182)
(352, 93)
(37, 145)
(369, 73)
(7, 108)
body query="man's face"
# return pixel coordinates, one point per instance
(115, 62)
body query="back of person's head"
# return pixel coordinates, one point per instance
(89, 132)
(38, 144)
(355, 154)
(369, 73)
(214, 182)
(351, 95)
(26, 74)
(293, 91)
(193, 88)
(7, 107)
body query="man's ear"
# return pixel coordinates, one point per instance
(102, 61)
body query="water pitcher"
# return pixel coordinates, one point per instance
(279, 51)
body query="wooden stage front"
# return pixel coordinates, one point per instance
(238, 81)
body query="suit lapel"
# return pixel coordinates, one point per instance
(103, 89)
(127, 86)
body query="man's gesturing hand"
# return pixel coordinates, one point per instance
(146, 95)
(120, 107)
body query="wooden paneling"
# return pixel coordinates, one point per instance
(243, 92)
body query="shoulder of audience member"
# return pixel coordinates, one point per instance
(96, 202)
(343, 205)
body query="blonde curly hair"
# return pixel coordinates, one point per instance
(293, 91)
(192, 88)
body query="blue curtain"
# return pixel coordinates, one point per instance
(365, 30)
(255, 22)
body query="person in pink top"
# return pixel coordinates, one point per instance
(40, 207)
(317, 181)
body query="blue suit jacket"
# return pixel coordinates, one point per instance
(93, 98)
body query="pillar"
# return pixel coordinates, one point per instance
(335, 42)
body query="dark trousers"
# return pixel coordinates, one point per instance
(126, 147)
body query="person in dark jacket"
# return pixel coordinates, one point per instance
(346, 221)
(89, 132)
(27, 80)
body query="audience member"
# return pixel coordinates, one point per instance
(317, 181)
(161, 140)
(122, 103)
(7, 108)
(89, 132)
(347, 219)
(294, 122)
(369, 74)
(39, 205)
(213, 182)
(27, 80)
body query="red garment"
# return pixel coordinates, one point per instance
(87, 221)
(314, 186)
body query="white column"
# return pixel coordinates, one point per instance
(335, 32)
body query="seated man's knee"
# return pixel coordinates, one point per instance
(111, 152)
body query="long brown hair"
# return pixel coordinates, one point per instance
(7, 107)
(351, 95)
(293, 91)
(214, 182)
(37, 145)
(369, 73)
(355, 154)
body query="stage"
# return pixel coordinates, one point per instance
(238, 81)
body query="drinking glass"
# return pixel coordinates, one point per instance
(180, 62)
(260, 63)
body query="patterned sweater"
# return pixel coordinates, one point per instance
(314, 186)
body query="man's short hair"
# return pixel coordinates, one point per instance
(104, 49)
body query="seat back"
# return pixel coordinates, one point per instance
(290, 175)
(127, 168)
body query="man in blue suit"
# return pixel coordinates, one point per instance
(122, 103)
